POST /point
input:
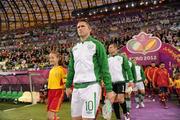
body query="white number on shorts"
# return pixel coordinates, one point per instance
(123, 89)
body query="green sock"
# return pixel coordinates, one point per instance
(137, 98)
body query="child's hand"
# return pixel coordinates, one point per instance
(102, 84)
(68, 92)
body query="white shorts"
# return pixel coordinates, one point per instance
(85, 101)
(139, 86)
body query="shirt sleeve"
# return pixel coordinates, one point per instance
(127, 68)
(70, 74)
(155, 77)
(142, 74)
(148, 74)
(64, 75)
(133, 72)
(104, 67)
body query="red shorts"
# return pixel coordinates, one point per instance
(55, 99)
(178, 91)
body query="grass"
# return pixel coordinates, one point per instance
(9, 105)
(36, 112)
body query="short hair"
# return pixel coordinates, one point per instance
(114, 44)
(133, 58)
(161, 63)
(84, 20)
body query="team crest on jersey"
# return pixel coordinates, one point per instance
(90, 46)
(75, 48)
(119, 59)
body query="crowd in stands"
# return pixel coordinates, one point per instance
(29, 49)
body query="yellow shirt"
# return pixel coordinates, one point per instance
(177, 83)
(56, 76)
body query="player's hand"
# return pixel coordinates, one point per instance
(130, 84)
(68, 92)
(111, 96)
(146, 82)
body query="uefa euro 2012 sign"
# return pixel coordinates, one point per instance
(143, 43)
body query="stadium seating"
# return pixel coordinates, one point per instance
(16, 95)
(10, 96)
(2, 95)
(121, 29)
(13, 95)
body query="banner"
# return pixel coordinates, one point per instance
(24, 77)
(146, 48)
(143, 47)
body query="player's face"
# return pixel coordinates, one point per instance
(53, 59)
(83, 29)
(134, 61)
(112, 49)
(162, 66)
(153, 64)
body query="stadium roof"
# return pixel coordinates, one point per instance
(16, 14)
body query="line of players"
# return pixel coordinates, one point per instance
(128, 76)
(85, 71)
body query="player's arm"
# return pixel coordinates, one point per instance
(132, 66)
(133, 69)
(62, 77)
(148, 75)
(169, 78)
(127, 68)
(70, 75)
(155, 78)
(143, 76)
(104, 67)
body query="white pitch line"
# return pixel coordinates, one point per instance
(9, 109)
(18, 107)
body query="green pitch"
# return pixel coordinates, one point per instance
(34, 112)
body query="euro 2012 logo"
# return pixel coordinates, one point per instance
(143, 43)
